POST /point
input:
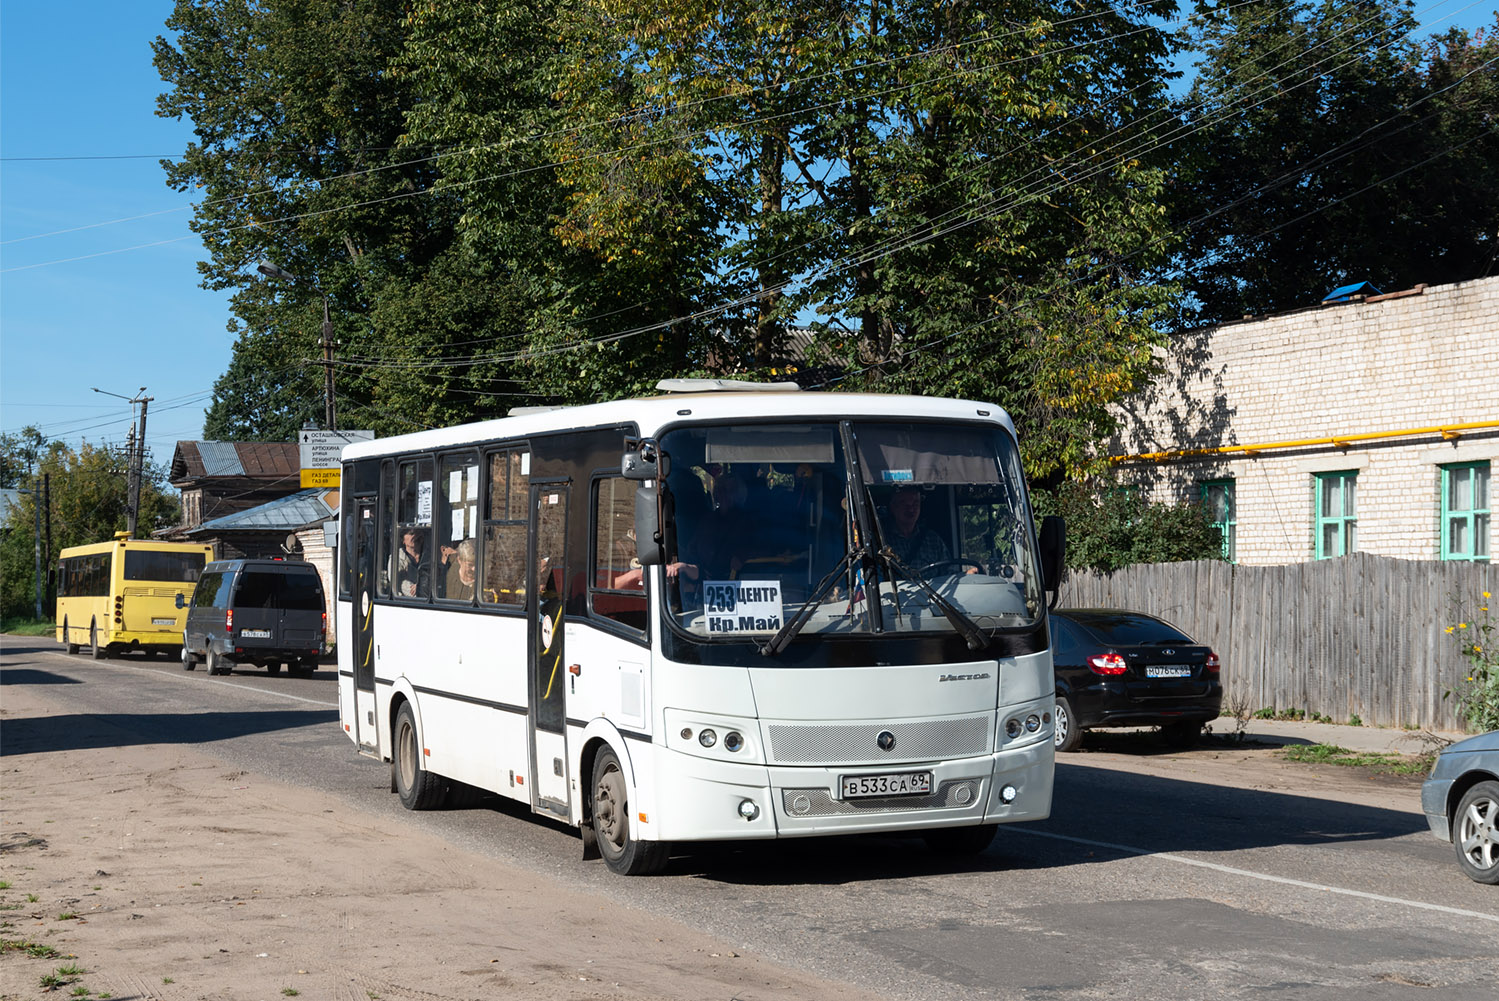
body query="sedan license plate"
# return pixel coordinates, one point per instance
(1168, 671)
(885, 784)
(163, 622)
(255, 634)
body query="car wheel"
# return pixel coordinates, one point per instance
(214, 662)
(67, 637)
(1184, 733)
(610, 816)
(1067, 735)
(960, 840)
(189, 662)
(94, 649)
(1475, 833)
(418, 788)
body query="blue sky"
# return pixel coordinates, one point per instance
(118, 306)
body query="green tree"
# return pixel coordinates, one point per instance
(1327, 147)
(90, 503)
(1115, 528)
(301, 160)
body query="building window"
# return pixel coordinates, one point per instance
(1218, 498)
(1337, 514)
(1465, 511)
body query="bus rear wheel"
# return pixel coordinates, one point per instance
(610, 817)
(94, 650)
(418, 788)
(67, 638)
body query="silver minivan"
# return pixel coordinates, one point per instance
(262, 612)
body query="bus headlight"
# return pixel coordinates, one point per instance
(707, 737)
(748, 809)
(733, 740)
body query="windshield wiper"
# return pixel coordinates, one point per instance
(794, 625)
(965, 626)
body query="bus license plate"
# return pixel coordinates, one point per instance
(163, 622)
(255, 634)
(1168, 671)
(887, 784)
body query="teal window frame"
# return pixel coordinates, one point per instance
(1335, 514)
(1224, 516)
(1466, 510)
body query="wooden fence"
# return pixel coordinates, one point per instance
(1360, 635)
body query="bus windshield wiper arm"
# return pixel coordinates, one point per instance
(965, 626)
(794, 625)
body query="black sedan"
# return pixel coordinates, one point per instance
(1461, 802)
(1121, 668)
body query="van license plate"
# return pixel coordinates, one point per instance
(255, 634)
(1168, 671)
(888, 784)
(163, 622)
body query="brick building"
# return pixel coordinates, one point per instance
(1369, 425)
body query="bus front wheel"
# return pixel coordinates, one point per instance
(610, 817)
(418, 788)
(67, 638)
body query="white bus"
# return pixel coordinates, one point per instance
(706, 615)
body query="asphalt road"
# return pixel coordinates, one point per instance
(1145, 883)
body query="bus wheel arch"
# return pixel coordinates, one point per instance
(608, 806)
(418, 788)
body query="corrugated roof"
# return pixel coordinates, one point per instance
(285, 514)
(220, 458)
(193, 460)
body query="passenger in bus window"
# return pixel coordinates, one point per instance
(413, 572)
(459, 583)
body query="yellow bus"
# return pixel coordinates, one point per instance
(122, 595)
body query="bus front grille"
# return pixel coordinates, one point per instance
(856, 743)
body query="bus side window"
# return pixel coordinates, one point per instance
(387, 527)
(502, 579)
(617, 589)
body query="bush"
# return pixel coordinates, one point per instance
(1118, 529)
(1478, 695)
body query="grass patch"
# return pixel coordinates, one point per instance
(32, 949)
(28, 627)
(1387, 762)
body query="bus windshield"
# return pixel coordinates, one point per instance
(854, 527)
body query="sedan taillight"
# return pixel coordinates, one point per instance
(1107, 663)
(1211, 667)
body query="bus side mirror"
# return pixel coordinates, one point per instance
(1053, 551)
(644, 462)
(647, 525)
(181, 603)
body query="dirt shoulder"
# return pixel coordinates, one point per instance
(163, 873)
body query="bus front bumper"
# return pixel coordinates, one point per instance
(709, 798)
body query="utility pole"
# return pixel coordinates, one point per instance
(276, 271)
(135, 455)
(47, 543)
(139, 468)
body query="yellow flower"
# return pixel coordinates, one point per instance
(1462, 625)
(1486, 594)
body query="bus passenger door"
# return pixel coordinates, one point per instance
(545, 602)
(366, 733)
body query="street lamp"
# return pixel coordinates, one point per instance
(276, 271)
